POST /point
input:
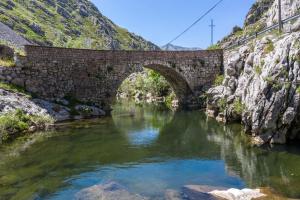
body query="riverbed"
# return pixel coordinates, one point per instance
(147, 149)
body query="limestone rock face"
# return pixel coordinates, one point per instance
(289, 8)
(261, 85)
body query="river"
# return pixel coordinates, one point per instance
(148, 149)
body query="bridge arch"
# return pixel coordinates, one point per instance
(176, 79)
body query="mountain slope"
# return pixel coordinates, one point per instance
(171, 47)
(67, 23)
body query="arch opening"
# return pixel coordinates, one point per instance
(155, 83)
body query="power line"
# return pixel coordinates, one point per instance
(200, 18)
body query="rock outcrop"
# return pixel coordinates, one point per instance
(261, 86)
(61, 110)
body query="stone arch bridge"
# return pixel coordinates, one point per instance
(94, 76)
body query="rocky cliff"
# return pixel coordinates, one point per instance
(67, 23)
(261, 83)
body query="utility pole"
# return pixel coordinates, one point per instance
(212, 26)
(280, 27)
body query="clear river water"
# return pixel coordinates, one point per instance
(148, 149)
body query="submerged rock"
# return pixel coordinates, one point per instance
(109, 191)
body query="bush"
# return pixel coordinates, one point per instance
(15, 123)
(7, 63)
(236, 29)
(298, 90)
(169, 99)
(238, 107)
(213, 47)
(219, 80)
(269, 47)
(222, 104)
(14, 88)
(258, 70)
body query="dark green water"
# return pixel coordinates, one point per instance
(148, 152)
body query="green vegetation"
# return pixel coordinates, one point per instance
(254, 28)
(258, 70)
(7, 63)
(170, 98)
(16, 123)
(17, 50)
(213, 47)
(238, 107)
(237, 31)
(14, 88)
(274, 83)
(269, 47)
(219, 80)
(149, 82)
(222, 104)
(298, 90)
(62, 24)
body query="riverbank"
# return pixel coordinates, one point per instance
(22, 113)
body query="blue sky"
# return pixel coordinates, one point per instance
(161, 20)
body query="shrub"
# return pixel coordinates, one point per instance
(7, 63)
(274, 83)
(218, 80)
(15, 123)
(14, 88)
(238, 107)
(222, 104)
(214, 46)
(258, 70)
(156, 84)
(169, 99)
(298, 90)
(269, 47)
(236, 29)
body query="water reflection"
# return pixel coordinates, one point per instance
(148, 149)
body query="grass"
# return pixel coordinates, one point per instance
(213, 47)
(16, 123)
(238, 107)
(222, 104)
(14, 88)
(269, 47)
(7, 63)
(258, 70)
(218, 80)
(298, 90)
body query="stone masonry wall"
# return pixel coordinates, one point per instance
(94, 76)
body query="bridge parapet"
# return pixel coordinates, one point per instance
(38, 52)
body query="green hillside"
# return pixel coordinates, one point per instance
(67, 23)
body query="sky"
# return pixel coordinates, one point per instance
(159, 21)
